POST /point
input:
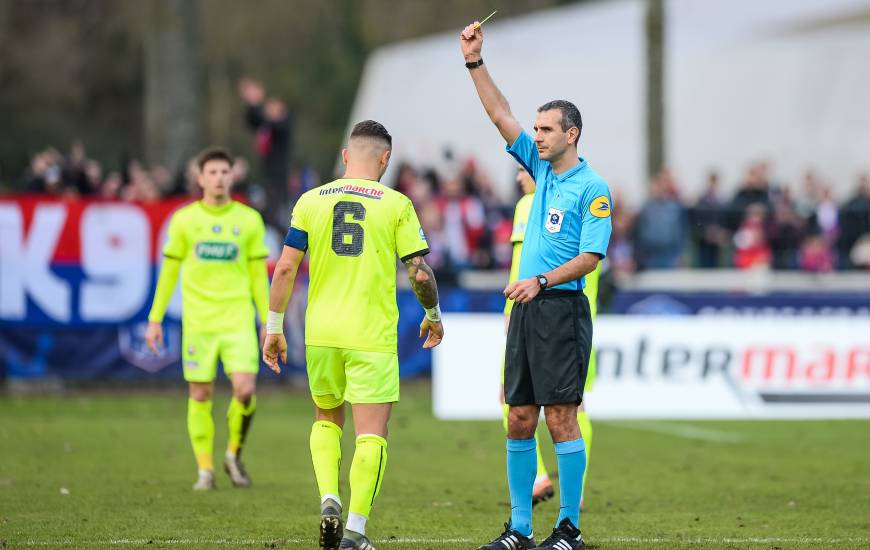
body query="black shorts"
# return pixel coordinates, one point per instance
(547, 352)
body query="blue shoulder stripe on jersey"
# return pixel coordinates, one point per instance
(297, 238)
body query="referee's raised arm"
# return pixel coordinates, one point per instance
(497, 107)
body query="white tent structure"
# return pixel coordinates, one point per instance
(784, 81)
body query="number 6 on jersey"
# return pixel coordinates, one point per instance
(348, 238)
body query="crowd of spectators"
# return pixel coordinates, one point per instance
(765, 224)
(74, 175)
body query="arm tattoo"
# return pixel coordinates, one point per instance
(422, 281)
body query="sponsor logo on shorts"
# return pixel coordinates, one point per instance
(217, 251)
(600, 207)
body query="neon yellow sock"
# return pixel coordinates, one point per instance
(325, 443)
(586, 433)
(542, 468)
(200, 428)
(367, 472)
(239, 419)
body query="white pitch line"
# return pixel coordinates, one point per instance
(602, 540)
(687, 431)
(219, 542)
(727, 540)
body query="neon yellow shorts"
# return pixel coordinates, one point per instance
(238, 351)
(336, 375)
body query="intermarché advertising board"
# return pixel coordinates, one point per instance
(682, 367)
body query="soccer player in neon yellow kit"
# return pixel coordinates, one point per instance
(217, 244)
(354, 228)
(543, 489)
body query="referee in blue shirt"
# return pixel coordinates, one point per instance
(550, 332)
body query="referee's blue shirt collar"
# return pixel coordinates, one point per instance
(571, 171)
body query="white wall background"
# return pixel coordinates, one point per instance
(785, 81)
(590, 55)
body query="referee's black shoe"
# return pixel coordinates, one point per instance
(511, 539)
(565, 537)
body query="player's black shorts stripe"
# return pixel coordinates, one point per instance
(415, 254)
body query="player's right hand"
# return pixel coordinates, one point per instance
(154, 337)
(435, 330)
(274, 346)
(471, 41)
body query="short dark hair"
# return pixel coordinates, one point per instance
(214, 153)
(372, 129)
(570, 114)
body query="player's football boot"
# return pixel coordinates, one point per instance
(542, 491)
(511, 539)
(355, 541)
(236, 470)
(565, 537)
(331, 527)
(205, 482)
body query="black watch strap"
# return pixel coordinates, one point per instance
(474, 64)
(542, 281)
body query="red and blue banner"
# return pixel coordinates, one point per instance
(77, 279)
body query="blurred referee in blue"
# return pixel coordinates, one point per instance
(550, 332)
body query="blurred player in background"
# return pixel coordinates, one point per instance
(354, 228)
(550, 333)
(217, 244)
(543, 488)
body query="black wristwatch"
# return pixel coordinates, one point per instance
(474, 64)
(542, 281)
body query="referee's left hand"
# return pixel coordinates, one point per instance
(523, 291)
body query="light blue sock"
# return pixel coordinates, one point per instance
(522, 466)
(571, 457)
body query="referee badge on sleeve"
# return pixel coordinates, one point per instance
(600, 207)
(555, 217)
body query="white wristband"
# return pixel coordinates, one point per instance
(434, 313)
(275, 323)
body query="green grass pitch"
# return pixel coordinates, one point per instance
(113, 470)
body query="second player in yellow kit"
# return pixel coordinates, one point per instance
(354, 229)
(217, 246)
